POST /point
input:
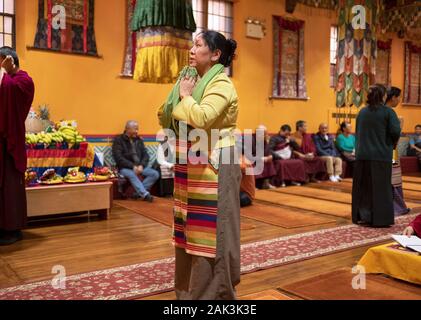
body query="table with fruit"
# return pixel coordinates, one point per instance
(59, 147)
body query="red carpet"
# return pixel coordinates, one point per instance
(150, 278)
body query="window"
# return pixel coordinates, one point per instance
(333, 54)
(214, 15)
(7, 23)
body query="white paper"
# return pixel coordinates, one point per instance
(406, 241)
(415, 248)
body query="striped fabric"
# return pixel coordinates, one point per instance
(196, 205)
(162, 52)
(396, 175)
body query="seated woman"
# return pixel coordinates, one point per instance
(415, 143)
(414, 229)
(399, 205)
(345, 142)
(287, 169)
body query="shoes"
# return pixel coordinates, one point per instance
(333, 179)
(283, 185)
(272, 187)
(314, 180)
(297, 184)
(148, 198)
(136, 196)
(338, 178)
(10, 237)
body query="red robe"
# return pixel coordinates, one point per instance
(416, 224)
(306, 146)
(16, 96)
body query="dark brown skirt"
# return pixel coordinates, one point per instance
(372, 193)
(201, 278)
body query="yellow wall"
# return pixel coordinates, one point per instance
(90, 90)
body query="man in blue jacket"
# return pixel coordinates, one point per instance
(326, 150)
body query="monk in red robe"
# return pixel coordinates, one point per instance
(306, 151)
(414, 228)
(16, 96)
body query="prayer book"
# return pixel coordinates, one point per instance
(406, 241)
(415, 248)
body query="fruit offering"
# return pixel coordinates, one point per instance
(50, 177)
(31, 178)
(75, 176)
(101, 174)
(71, 135)
(65, 134)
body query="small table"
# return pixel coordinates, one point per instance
(93, 197)
(394, 261)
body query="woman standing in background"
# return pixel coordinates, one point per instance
(378, 131)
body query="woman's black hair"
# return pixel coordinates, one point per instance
(393, 92)
(217, 41)
(375, 97)
(343, 126)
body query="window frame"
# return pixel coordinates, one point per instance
(333, 65)
(13, 17)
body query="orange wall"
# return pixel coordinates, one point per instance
(90, 90)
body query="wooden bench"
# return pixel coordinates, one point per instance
(94, 198)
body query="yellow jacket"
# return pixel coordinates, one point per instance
(217, 110)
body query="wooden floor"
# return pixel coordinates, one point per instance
(83, 244)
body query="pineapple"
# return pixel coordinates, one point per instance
(44, 114)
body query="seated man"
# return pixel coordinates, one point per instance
(414, 228)
(287, 169)
(263, 179)
(306, 151)
(326, 150)
(131, 157)
(415, 143)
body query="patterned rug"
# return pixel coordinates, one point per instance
(155, 277)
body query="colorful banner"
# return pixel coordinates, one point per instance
(357, 51)
(41, 160)
(412, 87)
(384, 62)
(77, 36)
(289, 78)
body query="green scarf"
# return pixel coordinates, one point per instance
(167, 120)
